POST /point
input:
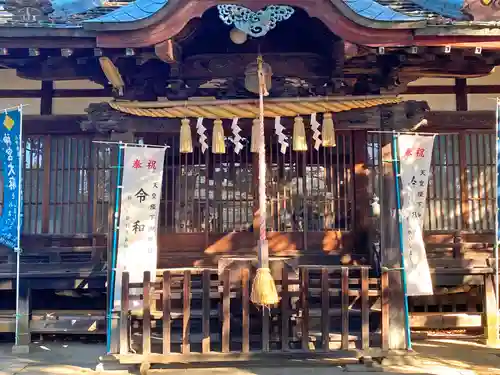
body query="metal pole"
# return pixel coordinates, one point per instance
(395, 164)
(19, 203)
(112, 265)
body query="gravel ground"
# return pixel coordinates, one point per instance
(432, 357)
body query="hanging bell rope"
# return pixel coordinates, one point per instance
(254, 147)
(186, 141)
(264, 291)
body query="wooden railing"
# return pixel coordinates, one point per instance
(200, 315)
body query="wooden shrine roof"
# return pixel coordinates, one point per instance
(228, 109)
(94, 14)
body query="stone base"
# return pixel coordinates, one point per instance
(20, 349)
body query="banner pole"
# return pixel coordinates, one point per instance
(19, 203)
(395, 165)
(497, 216)
(112, 264)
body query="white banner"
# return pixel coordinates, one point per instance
(415, 154)
(140, 201)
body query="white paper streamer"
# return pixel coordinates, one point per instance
(282, 138)
(316, 133)
(236, 133)
(200, 129)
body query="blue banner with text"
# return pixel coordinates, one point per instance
(11, 155)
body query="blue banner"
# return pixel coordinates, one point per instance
(11, 154)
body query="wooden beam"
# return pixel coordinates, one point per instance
(57, 93)
(167, 51)
(459, 120)
(438, 89)
(436, 121)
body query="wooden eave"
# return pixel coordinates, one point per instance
(17, 37)
(171, 19)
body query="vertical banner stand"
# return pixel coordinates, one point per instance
(19, 222)
(114, 248)
(497, 204)
(395, 165)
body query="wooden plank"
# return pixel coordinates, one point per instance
(226, 310)
(325, 306)
(167, 308)
(365, 310)
(205, 343)
(384, 300)
(146, 320)
(124, 314)
(186, 313)
(345, 308)
(285, 310)
(245, 296)
(304, 295)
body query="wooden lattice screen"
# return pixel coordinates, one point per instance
(461, 193)
(66, 185)
(307, 191)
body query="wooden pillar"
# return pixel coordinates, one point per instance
(361, 219)
(389, 247)
(24, 334)
(490, 318)
(46, 97)
(127, 137)
(461, 99)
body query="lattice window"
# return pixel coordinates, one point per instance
(205, 192)
(33, 184)
(310, 190)
(451, 204)
(66, 185)
(481, 180)
(443, 211)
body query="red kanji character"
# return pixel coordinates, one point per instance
(137, 164)
(420, 152)
(152, 164)
(408, 153)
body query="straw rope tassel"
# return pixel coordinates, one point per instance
(264, 291)
(299, 135)
(186, 141)
(328, 131)
(254, 147)
(218, 145)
